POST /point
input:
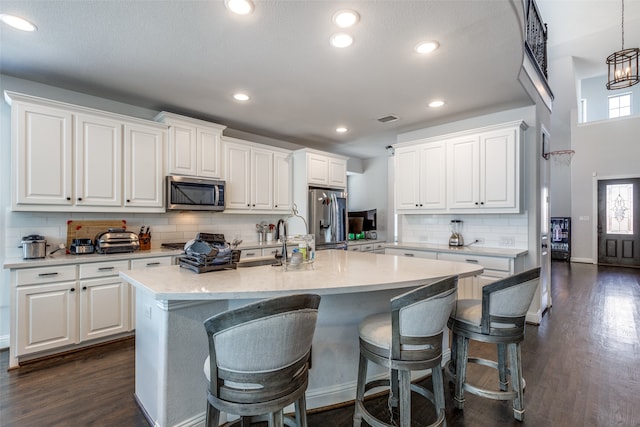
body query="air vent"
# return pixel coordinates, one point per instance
(387, 119)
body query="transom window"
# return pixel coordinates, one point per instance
(620, 105)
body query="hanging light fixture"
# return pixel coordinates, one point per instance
(623, 65)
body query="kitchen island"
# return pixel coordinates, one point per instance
(172, 303)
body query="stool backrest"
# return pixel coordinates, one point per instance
(418, 318)
(260, 350)
(505, 302)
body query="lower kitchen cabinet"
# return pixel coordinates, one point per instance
(143, 263)
(375, 246)
(104, 307)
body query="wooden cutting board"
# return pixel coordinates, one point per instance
(88, 229)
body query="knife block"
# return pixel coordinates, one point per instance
(145, 241)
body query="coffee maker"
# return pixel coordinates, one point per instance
(456, 238)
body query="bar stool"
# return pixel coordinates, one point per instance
(258, 359)
(409, 338)
(498, 318)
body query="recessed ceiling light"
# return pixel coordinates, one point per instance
(341, 40)
(426, 47)
(436, 104)
(241, 7)
(346, 18)
(341, 129)
(240, 96)
(17, 22)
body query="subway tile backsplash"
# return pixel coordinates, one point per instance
(167, 227)
(495, 231)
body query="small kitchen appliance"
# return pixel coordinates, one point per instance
(33, 246)
(116, 240)
(185, 193)
(456, 236)
(81, 246)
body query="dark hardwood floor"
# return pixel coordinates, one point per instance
(582, 367)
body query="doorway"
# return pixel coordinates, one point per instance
(618, 222)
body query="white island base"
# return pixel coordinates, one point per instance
(172, 303)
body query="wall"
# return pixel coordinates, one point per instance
(607, 148)
(594, 90)
(368, 190)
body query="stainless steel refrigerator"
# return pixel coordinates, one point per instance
(328, 218)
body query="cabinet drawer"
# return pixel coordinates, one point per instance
(58, 273)
(103, 269)
(270, 252)
(492, 263)
(378, 246)
(250, 254)
(150, 262)
(411, 253)
(356, 247)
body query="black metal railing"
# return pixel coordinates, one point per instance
(536, 39)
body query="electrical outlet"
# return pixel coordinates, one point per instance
(507, 241)
(147, 311)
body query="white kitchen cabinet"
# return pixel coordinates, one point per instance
(98, 161)
(194, 146)
(483, 171)
(421, 178)
(42, 144)
(255, 176)
(144, 148)
(326, 171)
(411, 253)
(71, 158)
(374, 246)
(104, 307)
(282, 188)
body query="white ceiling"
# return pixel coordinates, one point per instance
(189, 57)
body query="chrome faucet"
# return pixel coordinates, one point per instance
(282, 237)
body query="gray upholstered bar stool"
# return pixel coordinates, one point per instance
(408, 338)
(498, 318)
(258, 359)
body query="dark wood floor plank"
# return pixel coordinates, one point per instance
(582, 367)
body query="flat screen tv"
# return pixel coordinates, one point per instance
(369, 219)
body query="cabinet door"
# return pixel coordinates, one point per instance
(337, 173)
(42, 139)
(317, 169)
(143, 164)
(208, 157)
(498, 169)
(261, 179)
(407, 163)
(46, 317)
(98, 144)
(104, 307)
(237, 166)
(282, 193)
(183, 150)
(433, 177)
(463, 174)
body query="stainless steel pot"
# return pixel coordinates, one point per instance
(33, 246)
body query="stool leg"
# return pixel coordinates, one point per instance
(502, 367)
(462, 354)
(515, 362)
(404, 396)
(394, 388)
(213, 416)
(451, 365)
(276, 419)
(301, 412)
(362, 380)
(438, 388)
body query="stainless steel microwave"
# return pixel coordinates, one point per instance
(194, 194)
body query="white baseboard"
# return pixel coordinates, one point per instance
(582, 260)
(4, 342)
(534, 317)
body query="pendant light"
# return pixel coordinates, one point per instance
(623, 65)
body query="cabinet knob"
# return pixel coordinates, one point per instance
(248, 205)
(482, 203)
(276, 206)
(477, 203)
(68, 198)
(84, 288)
(72, 290)
(128, 201)
(254, 205)
(79, 199)
(416, 205)
(420, 204)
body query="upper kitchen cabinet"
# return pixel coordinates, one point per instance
(194, 146)
(324, 169)
(75, 159)
(484, 170)
(421, 178)
(476, 171)
(257, 177)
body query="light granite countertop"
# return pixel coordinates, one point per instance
(470, 250)
(334, 272)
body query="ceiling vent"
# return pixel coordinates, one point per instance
(387, 119)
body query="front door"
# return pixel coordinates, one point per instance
(618, 222)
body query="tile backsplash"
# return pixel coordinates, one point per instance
(495, 231)
(166, 227)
